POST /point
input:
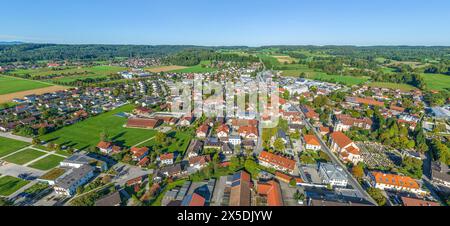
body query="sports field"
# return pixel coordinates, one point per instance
(11, 84)
(8, 146)
(24, 156)
(9, 185)
(87, 133)
(47, 163)
(437, 81)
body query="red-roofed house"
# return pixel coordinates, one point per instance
(202, 131)
(105, 147)
(395, 182)
(346, 148)
(166, 159)
(248, 132)
(311, 142)
(223, 131)
(277, 162)
(139, 153)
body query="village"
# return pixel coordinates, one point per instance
(334, 145)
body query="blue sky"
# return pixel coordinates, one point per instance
(228, 22)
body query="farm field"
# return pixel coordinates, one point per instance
(86, 134)
(11, 85)
(201, 68)
(47, 163)
(284, 59)
(70, 71)
(9, 185)
(8, 146)
(7, 98)
(344, 79)
(389, 85)
(24, 156)
(165, 68)
(436, 81)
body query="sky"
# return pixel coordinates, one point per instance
(227, 22)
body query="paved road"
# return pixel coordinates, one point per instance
(15, 137)
(355, 184)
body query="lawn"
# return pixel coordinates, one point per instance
(9, 185)
(180, 144)
(24, 156)
(8, 146)
(47, 163)
(201, 68)
(86, 134)
(437, 81)
(11, 85)
(389, 85)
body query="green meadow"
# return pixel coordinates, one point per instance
(8, 146)
(436, 81)
(86, 134)
(201, 68)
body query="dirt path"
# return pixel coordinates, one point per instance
(5, 98)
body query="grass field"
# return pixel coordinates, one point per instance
(11, 85)
(9, 185)
(87, 133)
(24, 156)
(8, 146)
(47, 163)
(201, 68)
(437, 81)
(389, 85)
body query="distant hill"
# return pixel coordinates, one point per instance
(11, 43)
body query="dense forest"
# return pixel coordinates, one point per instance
(195, 56)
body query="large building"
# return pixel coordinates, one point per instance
(311, 142)
(346, 122)
(68, 184)
(277, 162)
(332, 175)
(395, 182)
(345, 147)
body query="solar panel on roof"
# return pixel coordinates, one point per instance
(236, 183)
(236, 176)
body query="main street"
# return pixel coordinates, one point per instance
(355, 184)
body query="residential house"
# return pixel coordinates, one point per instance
(105, 147)
(68, 184)
(166, 159)
(195, 148)
(199, 162)
(271, 191)
(346, 122)
(311, 142)
(202, 131)
(139, 153)
(222, 131)
(248, 132)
